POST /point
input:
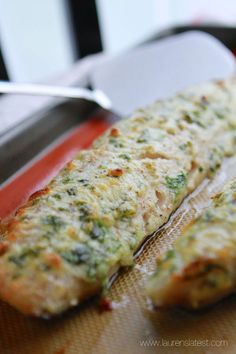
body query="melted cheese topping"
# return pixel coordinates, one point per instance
(65, 243)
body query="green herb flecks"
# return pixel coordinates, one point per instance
(54, 221)
(193, 117)
(220, 115)
(80, 254)
(98, 231)
(186, 145)
(84, 182)
(144, 137)
(216, 158)
(207, 216)
(116, 142)
(84, 209)
(72, 191)
(66, 180)
(169, 254)
(56, 196)
(93, 259)
(19, 259)
(176, 184)
(125, 157)
(200, 169)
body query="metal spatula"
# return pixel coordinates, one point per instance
(96, 96)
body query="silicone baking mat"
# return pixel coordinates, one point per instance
(129, 324)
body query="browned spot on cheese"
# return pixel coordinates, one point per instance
(194, 269)
(224, 252)
(117, 172)
(216, 196)
(114, 132)
(11, 237)
(71, 232)
(204, 100)
(3, 247)
(146, 215)
(3, 227)
(53, 259)
(12, 225)
(70, 166)
(39, 193)
(160, 197)
(171, 130)
(186, 227)
(154, 155)
(220, 83)
(194, 165)
(20, 211)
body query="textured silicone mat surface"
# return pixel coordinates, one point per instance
(132, 326)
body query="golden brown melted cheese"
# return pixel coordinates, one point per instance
(200, 269)
(67, 240)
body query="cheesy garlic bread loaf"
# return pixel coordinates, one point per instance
(64, 244)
